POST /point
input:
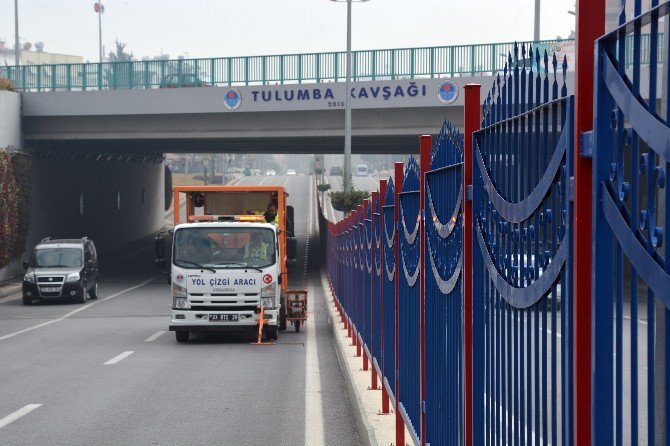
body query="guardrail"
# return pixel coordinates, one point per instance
(382, 64)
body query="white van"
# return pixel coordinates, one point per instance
(362, 170)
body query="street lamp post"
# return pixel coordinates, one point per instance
(536, 30)
(17, 58)
(347, 102)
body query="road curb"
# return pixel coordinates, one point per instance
(9, 291)
(366, 430)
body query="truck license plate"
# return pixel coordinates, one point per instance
(223, 317)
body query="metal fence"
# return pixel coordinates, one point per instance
(631, 259)
(444, 294)
(522, 321)
(483, 314)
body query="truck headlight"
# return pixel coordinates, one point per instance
(181, 303)
(72, 277)
(268, 295)
(30, 278)
(179, 299)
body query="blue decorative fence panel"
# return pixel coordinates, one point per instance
(389, 276)
(409, 343)
(377, 286)
(367, 274)
(631, 259)
(354, 311)
(444, 292)
(522, 245)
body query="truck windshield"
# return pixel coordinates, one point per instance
(224, 247)
(58, 258)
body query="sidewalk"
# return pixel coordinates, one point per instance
(373, 427)
(11, 287)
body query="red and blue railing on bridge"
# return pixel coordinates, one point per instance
(466, 279)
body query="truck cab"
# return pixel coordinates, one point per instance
(228, 261)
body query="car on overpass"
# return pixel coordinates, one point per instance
(181, 80)
(290, 172)
(270, 173)
(362, 170)
(335, 171)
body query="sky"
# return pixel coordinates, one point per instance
(219, 28)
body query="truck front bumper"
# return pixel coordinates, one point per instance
(190, 320)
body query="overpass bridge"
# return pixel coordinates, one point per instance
(280, 104)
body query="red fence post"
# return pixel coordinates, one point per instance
(382, 240)
(373, 273)
(357, 295)
(472, 122)
(361, 343)
(399, 423)
(425, 143)
(590, 26)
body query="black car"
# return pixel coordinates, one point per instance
(64, 268)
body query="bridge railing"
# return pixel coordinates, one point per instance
(381, 64)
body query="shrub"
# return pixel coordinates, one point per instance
(22, 168)
(347, 202)
(323, 187)
(9, 209)
(6, 84)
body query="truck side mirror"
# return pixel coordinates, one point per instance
(291, 248)
(26, 264)
(290, 221)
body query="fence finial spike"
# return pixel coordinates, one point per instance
(554, 64)
(537, 60)
(546, 63)
(523, 55)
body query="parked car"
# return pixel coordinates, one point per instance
(336, 171)
(362, 170)
(270, 173)
(290, 172)
(61, 268)
(181, 80)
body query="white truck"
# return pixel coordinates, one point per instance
(225, 267)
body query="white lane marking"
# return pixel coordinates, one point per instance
(71, 313)
(263, 180)
(314, 432)
(153, 337)
(119, 358)
(18, 414)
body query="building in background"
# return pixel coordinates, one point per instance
(34, 55)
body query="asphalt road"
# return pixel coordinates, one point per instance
(108, 373)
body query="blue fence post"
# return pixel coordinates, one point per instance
(375, 291)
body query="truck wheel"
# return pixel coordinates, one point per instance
(272, 333)
(93, 294)
(27, 300)
(182, 336)
(297, 326)
(282, 314)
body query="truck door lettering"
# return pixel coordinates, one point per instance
(197, 281)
